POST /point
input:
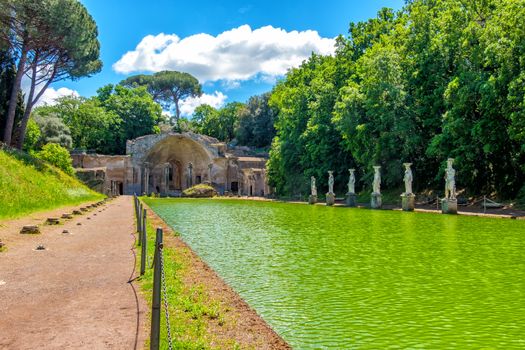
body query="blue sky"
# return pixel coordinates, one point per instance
(245, 46)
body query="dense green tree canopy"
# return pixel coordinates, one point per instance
(167, 87)
(52, 40)
(137, 113)
(256, 122)
(105, 122)
(92, 126)
(220, 123)
(53, 130)
(438, 79)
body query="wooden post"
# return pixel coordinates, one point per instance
(144, 240)
(155, 305)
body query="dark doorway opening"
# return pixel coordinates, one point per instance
(120, 188)
(235, 187)
(198, 179)
(251, 191)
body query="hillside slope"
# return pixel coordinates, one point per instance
(28, 185)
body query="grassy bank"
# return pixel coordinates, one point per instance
(28, 185)
(193, 313)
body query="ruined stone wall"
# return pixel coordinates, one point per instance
(161, 163)
(113, 167)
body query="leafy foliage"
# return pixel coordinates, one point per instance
(105, 122)
(33, 136)
(256, 122)
(58, 156)
(438, 79)
(52, 40)
(200, 191)
(220, 123)
(137, 113)
(167, 87)
(53, 130)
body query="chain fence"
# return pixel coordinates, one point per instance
(165, 297)
(160, 290)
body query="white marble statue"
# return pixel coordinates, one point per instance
(330, 182)
(450, 180)
(377, 180)
(351, 181)
(408, 178)
(313, 186)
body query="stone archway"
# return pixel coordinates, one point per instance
(169, 161)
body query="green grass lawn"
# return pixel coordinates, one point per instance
(28, 185)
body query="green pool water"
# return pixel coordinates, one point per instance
(340, 278)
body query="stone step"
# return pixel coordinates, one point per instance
(30, 230)
(53, 221)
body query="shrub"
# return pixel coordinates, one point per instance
(33, 136)
(58, 156)
(53, 130)
(200, 191)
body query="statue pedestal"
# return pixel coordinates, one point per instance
(330, 198)
(351, 199)
(312, 199)
(408, 201)
(376, 201)
(449, 206)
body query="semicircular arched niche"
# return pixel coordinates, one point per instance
(170, 159)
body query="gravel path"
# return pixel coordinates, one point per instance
(75, 294)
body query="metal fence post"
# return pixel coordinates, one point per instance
(139, 224)
(155, 305)
(137, 213)
(144, 240)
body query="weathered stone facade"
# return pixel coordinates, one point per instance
(171, 162)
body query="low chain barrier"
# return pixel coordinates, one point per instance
(160, 293)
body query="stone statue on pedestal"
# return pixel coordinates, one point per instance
(376, 201)
(351, 181)
(408, 178)
(450, 180)
(449, 204)
(330, 182)
(313, 187)
(351, 196)
(330, 196)
(377, 180)
(408, 198)
(313, 191)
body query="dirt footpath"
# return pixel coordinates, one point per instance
(75, 294)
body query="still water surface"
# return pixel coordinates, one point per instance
(341, 278)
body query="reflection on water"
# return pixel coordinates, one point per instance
(338, 278)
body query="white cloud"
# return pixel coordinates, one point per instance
(50, 95)
(188, 105)
(238, 54)
(230, 84)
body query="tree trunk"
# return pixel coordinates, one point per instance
(27, 114)
(13, 100)
(31, 102)
(177, 111)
